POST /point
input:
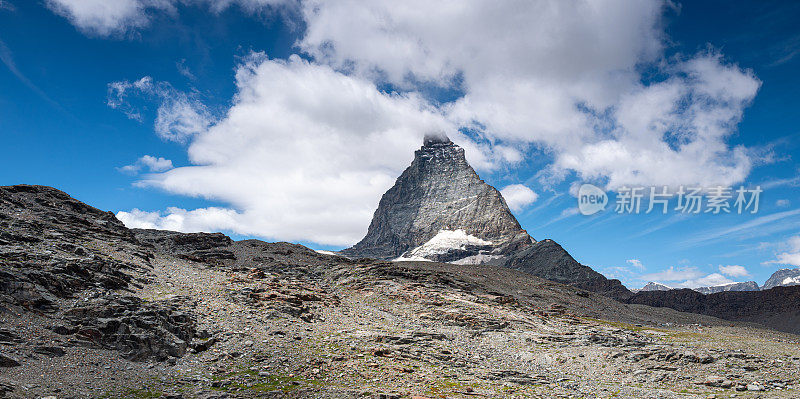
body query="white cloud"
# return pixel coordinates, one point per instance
(734, 271)
(791, 256)
(541, 72)
(557, 75)
(179, 116)
(304, 153)
(782, 203)
(114, 17)
(176, 219)
(149, 162)
(691, 277)
(518, 196)
(103, 17)
(636, 263)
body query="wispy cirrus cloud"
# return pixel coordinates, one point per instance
(791, 254)
(179, 116)
(768, 224)
(148, 163)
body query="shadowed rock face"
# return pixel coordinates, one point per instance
(776, 307)
(67, 260)
(440, 191)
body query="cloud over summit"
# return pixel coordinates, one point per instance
(557, 79)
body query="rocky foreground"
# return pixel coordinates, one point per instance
(91, 309)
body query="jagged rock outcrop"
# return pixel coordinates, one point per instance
(67, 260)
(744, 286)
(46, 248)
(783, 278)
(139, 330)
(548, 260)
(441, 195)
(199, 247)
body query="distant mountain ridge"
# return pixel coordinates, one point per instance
(743, 286)
(783, 278)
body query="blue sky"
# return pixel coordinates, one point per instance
(286, 121)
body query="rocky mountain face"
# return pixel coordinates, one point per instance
(440, 210)
(783, 278)
(548, 260)
(73, 264)
(441, 197)
(744, 286)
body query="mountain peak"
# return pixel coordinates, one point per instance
(440, 210)
(440, 195)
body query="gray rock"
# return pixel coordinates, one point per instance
(139, 330)
(50, 351)
(548, 260)
(8, 361)
(755, 387)
(440, 191)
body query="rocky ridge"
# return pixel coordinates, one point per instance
(776, 308)
(548, 260)
(249, 319)
(78, 266)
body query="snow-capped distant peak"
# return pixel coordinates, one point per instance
(653, 286)
(791, 281)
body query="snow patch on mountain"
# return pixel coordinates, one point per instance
(791, 281)
(478, 259)
(445, 241)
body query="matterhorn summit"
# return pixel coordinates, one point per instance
(440, 210)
